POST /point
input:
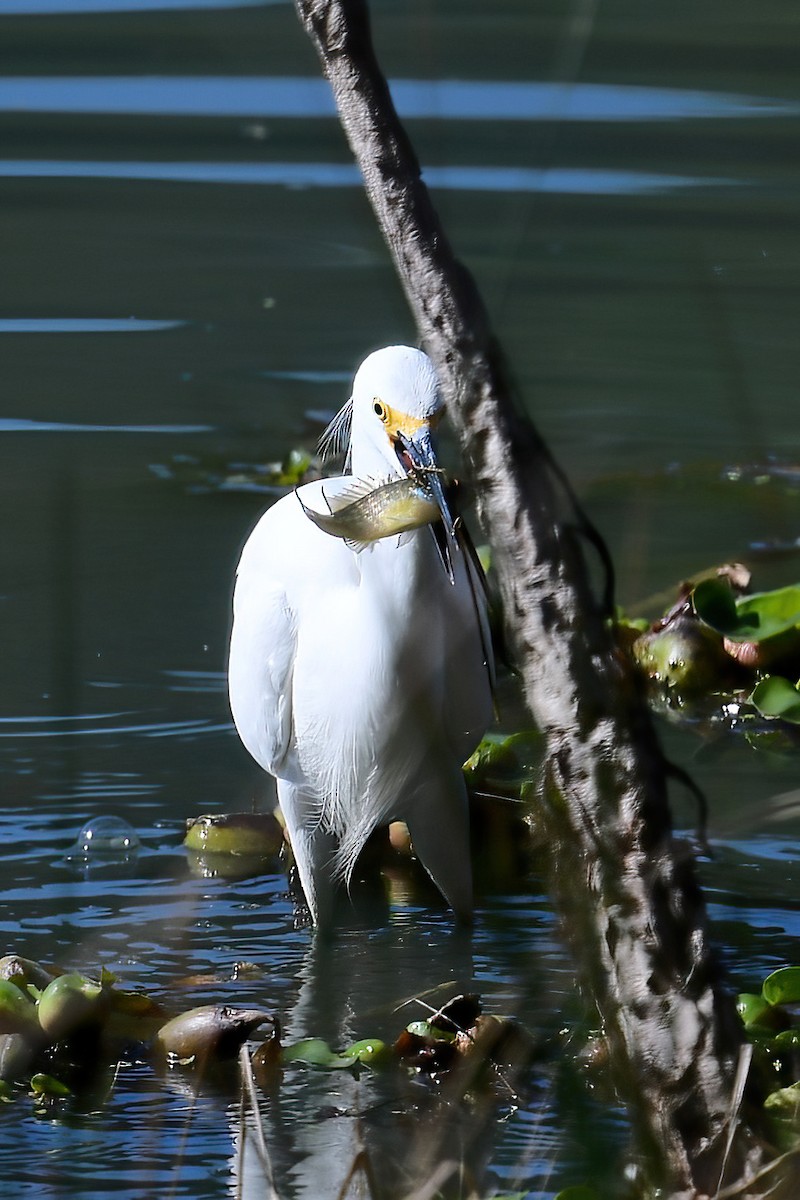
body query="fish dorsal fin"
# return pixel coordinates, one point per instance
(354, 491)
(362, 487)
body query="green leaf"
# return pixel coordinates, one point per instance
(715, 605)
(750, 618)
(507, 758)
(317, 1053)
(776, 696)
(424, 1029)
(257, 834)
(787, 1039)
(786, 1101)
(782, 986)
(48, 1085)
(370, 1051)
(751, 1008)
(580, 1191)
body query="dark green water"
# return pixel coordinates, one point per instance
(189, 273)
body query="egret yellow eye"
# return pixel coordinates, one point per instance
(380, 410)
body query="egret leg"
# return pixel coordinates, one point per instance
(438, 822)
(313, 849)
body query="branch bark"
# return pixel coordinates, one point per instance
(633, 905)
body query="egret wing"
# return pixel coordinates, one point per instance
(263, 647)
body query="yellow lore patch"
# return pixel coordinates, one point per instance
(400, 422)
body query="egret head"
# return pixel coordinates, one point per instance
(387, 423)
(396, 405)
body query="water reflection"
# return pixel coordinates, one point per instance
(642, 330)
(576, 181)
(102, 725)
(25, 8)
(84, 325)
(420, 99)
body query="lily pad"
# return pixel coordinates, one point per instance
(776, 696)
(782, 986)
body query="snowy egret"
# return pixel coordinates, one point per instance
(360, 676)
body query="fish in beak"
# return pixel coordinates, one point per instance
(416, 455)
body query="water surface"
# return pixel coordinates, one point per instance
(191, 274)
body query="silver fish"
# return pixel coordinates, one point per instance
(367, 512)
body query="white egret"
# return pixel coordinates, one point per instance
(360, 677)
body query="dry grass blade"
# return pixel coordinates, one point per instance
(249, 1090)
(742, 1071)
(360, 1165)
(446, 1170)
(745, 1187)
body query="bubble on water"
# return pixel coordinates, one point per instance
(106, 838)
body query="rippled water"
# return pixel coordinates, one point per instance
(190, 274)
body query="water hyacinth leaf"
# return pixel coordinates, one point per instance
(6, 1092)
(369, 1051)
(251, 834)
(504, 758)
(782, 986)
(715, 604)
(69, 1004)
(752, 1009)
(17, 1050)
(684, 656)
(786, 1040)
(48, 1085)
(775, 696)
(25, 973)
(293, 468)
(315, 1052)
(749, 618)
(784, 1102)
(17, 1012)
(424, 1029)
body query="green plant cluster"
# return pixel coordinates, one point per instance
(771, 1020)
(719, 641)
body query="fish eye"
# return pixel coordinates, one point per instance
(380, 409)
